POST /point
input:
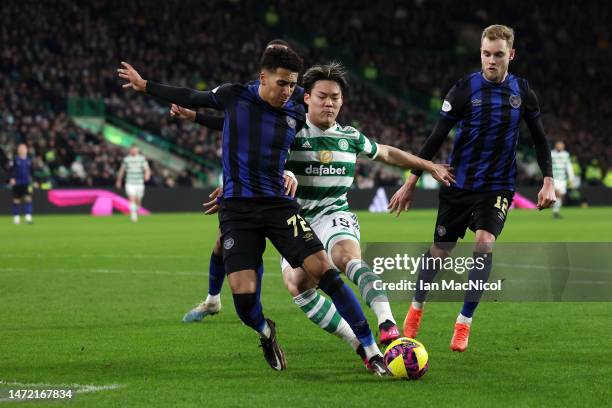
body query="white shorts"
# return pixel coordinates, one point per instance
(333, 228)
(135, 190)
(561, 186)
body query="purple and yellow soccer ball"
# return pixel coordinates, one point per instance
(407, 358)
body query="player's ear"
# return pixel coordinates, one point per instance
(306, 98)
(512, 54)
(262, 78)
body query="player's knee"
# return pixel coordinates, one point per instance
(484, 241)
(244, 281)
(330, 282)
(316, 264)
(27, 199)
(289, 281)
(341, 259)
(297, 281)
(441, 251)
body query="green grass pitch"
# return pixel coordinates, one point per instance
(99, 301)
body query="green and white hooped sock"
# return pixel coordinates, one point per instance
(322, 312)
(361, 275)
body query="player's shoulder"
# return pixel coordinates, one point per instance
(460, 91)
(466, 81)
(347, 131)
(229, 88)
(298, 94)
(522, 82)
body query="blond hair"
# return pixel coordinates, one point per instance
(501, 32)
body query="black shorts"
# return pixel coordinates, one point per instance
(459, 209)
(21, 190)
(246, 223)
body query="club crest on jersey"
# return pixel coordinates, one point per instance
(325, 156)
(291, 122)
(343, 144)
(228, 243)
(515, 101)
(446, 106)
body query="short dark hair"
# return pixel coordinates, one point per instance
(333, 71)
(277, 57)
(278, 41)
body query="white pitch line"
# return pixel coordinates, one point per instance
(130, 271)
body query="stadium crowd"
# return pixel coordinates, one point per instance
(52, 51)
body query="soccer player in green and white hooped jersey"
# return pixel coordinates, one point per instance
(137, 172)
(323, 160)
(563, 174)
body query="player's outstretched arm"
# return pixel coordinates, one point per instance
(120, 176)
(13, 173)
(186, 97)
(147, 172)
(402, 199)
(396, 157)
(209, 121)
(546, 196)
(182, 113)
(134, 79)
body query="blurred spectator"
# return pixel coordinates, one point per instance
(413, 51)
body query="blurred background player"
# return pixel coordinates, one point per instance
(488, 107)
(137, 173)
(563, 173)
(20, 178)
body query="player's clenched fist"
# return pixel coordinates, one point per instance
(182, 113)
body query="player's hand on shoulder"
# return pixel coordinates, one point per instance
(182, 113)
(212, 206)
(135, 80)
(442, 173)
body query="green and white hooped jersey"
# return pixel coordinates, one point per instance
(561, 165)
(134, 169)
(324, 164)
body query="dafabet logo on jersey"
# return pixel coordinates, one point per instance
(323, 170)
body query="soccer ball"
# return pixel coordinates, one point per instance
(407, 358)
